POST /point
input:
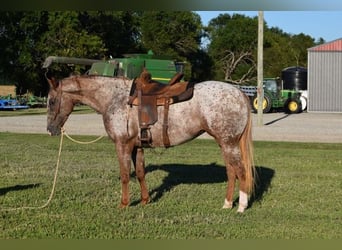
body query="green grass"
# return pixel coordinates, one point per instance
(298, 194)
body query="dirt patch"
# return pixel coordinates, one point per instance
(304, 127)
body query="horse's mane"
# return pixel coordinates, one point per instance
(97, 77)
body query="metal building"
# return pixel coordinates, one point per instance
(325, 77)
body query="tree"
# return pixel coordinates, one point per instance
(119, 30)
(282, 50)
(176, 33)
(66, 37)
(173, 33)
(19, 56)
(276, 50)
(299, 45)
(29, 37)
(233, 42)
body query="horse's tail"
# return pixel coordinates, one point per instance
(246, 148)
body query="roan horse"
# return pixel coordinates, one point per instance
(217, 108)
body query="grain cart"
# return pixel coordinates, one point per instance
(162, 68)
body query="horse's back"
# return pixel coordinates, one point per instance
(217, 88)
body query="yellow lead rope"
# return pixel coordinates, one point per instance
(56, 172)
(81, 142)
(53, 184)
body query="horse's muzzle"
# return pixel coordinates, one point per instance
(52, 131)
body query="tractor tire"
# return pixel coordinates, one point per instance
(266, 104)
(304, 102)
(293, 106)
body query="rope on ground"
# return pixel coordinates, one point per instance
(53, 184)
(56, 173)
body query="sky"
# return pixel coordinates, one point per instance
(317, 24)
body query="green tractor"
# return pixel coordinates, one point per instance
(275, 97)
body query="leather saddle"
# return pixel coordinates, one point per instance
(148, 95)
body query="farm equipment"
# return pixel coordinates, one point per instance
(288, 93)
(35, 101)
(275, 97)
(162, 68)
(8, 103)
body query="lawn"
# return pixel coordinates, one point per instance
(298, 193)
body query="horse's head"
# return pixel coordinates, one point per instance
(59, 105)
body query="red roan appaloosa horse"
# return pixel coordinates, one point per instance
(217, 108)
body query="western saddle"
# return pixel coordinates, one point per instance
(148, 95)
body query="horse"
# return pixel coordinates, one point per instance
(217, 108)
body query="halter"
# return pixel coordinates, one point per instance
(59, 99)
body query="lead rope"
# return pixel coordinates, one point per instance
(81, 142)
(56, 172)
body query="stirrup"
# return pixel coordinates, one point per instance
(145, 137)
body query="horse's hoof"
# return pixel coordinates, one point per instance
(144, 202)
(123, 205)
(227, 204)
(241, 208)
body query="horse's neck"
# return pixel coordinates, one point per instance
(100, 93)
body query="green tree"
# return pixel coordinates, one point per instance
(174, 33)
(276, 51)
(29, 37)
(299, 45)
(282, 50)
(19, 57)
(66, 37)
(119, 30)
(233, 42)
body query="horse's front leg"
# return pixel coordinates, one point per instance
(124, 152)
(139, 163)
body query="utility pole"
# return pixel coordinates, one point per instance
(260, 66)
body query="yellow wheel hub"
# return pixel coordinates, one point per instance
(264, 103)
(293, 106)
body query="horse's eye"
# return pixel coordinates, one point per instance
(51, 102)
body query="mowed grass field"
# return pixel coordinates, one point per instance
(298, 194)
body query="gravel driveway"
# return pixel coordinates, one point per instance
(304, 127)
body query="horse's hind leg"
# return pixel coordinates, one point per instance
(228, 201)
(235, 170)
(139, 164)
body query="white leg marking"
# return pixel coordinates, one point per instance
(243, 201)
(227, 204)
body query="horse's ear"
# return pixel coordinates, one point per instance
(52, 82)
